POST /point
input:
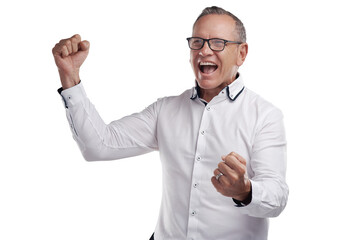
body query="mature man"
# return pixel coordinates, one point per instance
(222, 147)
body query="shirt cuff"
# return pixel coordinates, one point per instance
(73, 95)
(61, 89)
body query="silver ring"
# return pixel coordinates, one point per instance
(218, 176)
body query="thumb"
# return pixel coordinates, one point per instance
(84, 45)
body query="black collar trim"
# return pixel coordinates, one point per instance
(232, 98)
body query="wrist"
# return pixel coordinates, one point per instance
(241, 201)
(69, 80)
(245, 195)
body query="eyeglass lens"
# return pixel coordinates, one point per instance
(214, 44)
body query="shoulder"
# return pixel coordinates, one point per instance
(171, 102)
(259, 106)
(185, 96)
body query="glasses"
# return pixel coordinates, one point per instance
(215, 44)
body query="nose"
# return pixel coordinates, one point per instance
(206, 50)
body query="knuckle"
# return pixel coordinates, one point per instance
(231, 180)
(226, 184)
(236, 178)
(242, 169)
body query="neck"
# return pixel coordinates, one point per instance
(209, 94)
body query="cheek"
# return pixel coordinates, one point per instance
(228, 61)
(192, 61)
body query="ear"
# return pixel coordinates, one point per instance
(242, 53)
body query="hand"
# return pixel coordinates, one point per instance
(234, 182)
(69, 55)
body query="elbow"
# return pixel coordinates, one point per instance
(90, 150)
(269, 200)
(281, 204)
(90, 158)
(272, 210)
(275, 213)
(92, 154)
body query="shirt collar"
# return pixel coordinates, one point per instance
(233, 90)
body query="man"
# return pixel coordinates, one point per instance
(222, 147)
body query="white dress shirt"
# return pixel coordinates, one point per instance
(191, 137)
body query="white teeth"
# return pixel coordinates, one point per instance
(207, 63)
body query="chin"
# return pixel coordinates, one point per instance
(207, 83)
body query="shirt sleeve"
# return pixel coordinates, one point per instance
(268, 162)
(130, 136)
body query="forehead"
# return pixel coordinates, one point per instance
(215, 26)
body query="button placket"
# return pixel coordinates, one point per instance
(194, 204)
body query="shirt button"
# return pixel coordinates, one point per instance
(193, 213)
(196, 185)
(198, 158)
(202, 132)
(208, 108)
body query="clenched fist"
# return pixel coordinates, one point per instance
(231, 178)
(69, 55)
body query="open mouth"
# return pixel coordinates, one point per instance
(207, 67)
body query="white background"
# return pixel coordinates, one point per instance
(303, 57)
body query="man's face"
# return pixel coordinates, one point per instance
(226, 62)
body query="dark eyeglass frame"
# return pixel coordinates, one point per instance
(208, 41)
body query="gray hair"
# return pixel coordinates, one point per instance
(239, 27)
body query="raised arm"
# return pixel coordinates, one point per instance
(129, 136)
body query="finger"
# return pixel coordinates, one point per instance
(74, 44)
(225, 169)
(236, 165)
(238, 157)
(64, 51)
(77, 37)
(64, 47)
(222, 178)
(232, 176)
(68, 44)
(216, 173)
(56, 50)
(216, 184)
(236, 162)
(59, 48)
